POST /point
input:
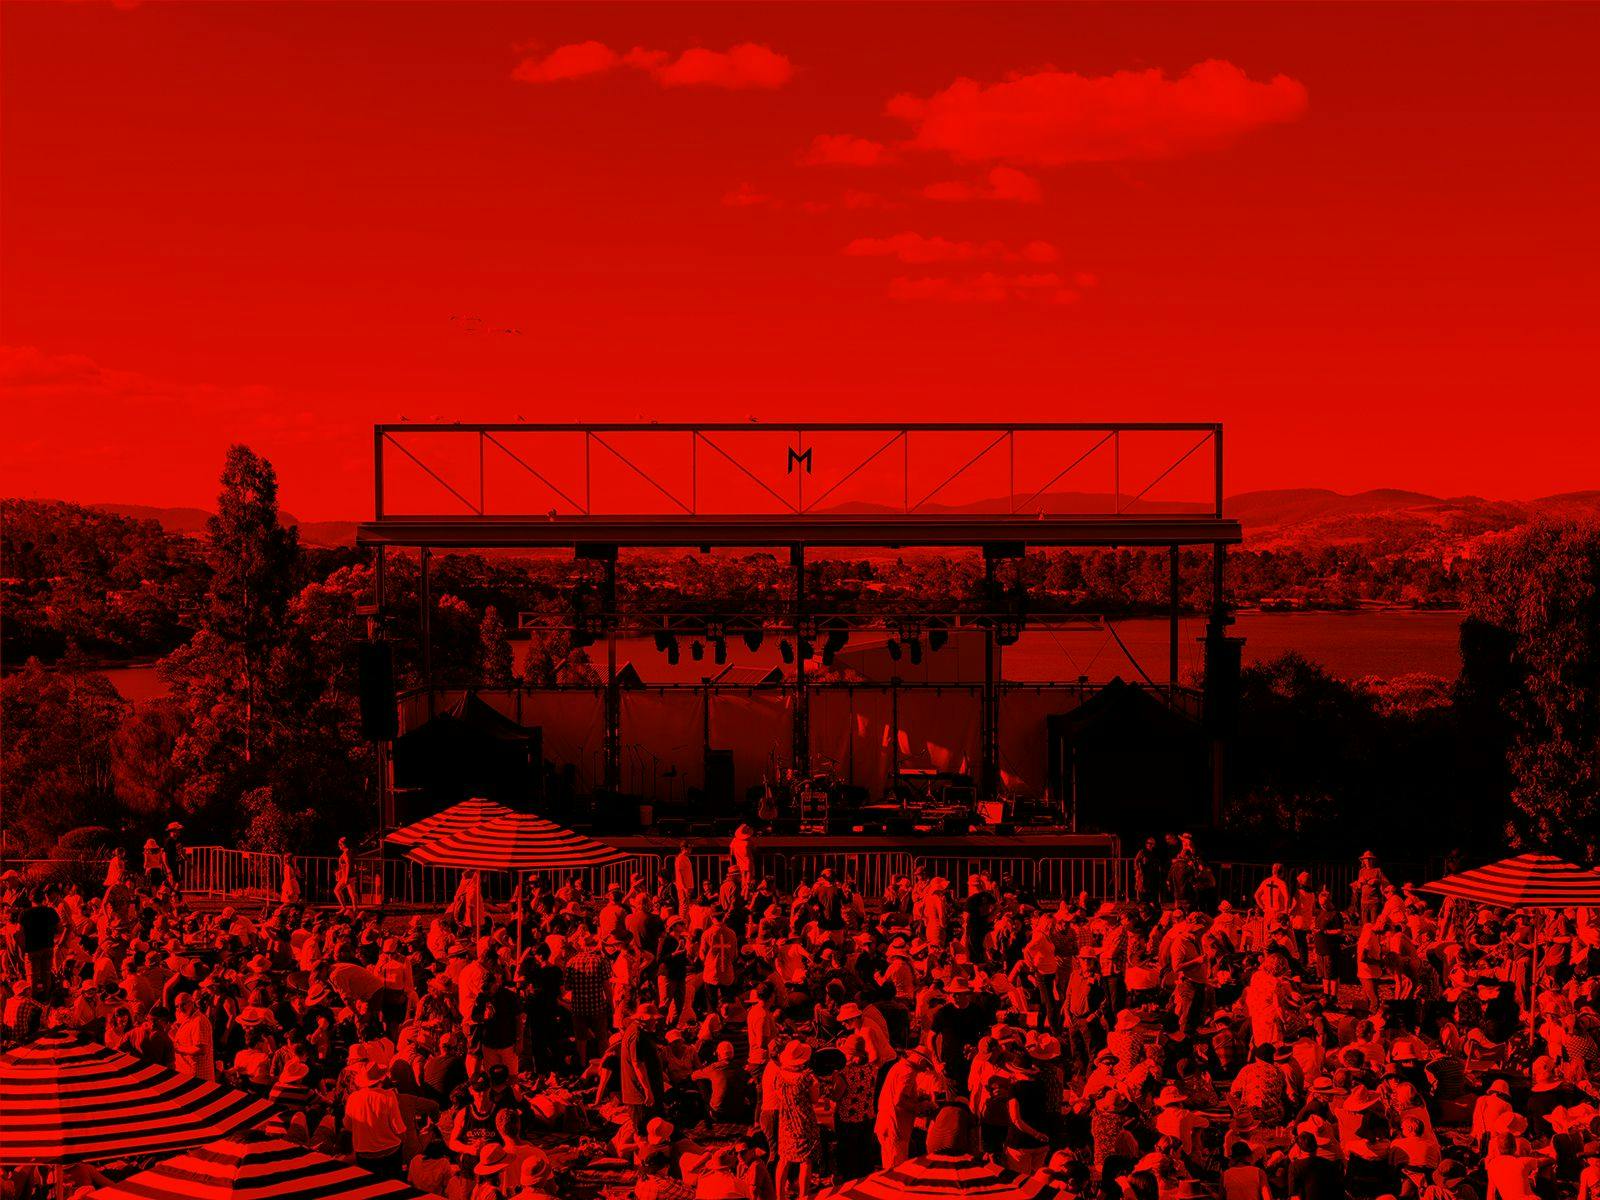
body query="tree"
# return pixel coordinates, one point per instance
(1539, 589)
(494, 651)
(56, 760)
(253, 564)
(144, 770)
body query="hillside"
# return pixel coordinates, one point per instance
(1388, 520)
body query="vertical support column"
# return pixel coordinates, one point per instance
(989, 701)
(1216, 647)
(385, 765)
(802, 702)
(425, 620)
(613, 731)
(1172, 628)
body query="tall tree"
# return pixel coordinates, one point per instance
(1537, 592)
(253, 562)
(495, 666)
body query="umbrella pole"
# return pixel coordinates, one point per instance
(521, 904)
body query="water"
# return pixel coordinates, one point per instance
(1353, 645)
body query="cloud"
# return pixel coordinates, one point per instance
(1002, 183)
(988, 287)
(1051, 117)
(745, 66)
(844, 150)
(568, 62)
(745, 196)
(916, 248)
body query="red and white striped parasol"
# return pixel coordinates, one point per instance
(456, 819)
(255, 1166)
(66, 1099)
(516, 842)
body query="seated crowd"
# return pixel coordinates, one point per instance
(717, 1038)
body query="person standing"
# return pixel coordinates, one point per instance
(172, 858)
(41, 931)
(743, 851)
(683, 877)
(643, 1086)
(905, 1094)
(374, 1121)
(193, 1043)
(344, 888)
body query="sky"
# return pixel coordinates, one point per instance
(1361, 236)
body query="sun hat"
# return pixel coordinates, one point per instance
(849, 1011)
(535, 1168)
(373, 1074)
(1170, 1095)
(1127, 1019)
(795, 1055)
(1044, 1048)
(492, 1159)
(659, 1131)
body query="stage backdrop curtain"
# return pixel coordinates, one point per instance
(574, 725)
(939, 728)
(758, 726)
(1023, 740)
(850, 728)
(661, 731)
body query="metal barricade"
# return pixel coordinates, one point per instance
(1066, 878)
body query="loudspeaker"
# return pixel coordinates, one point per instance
(1224, 663)
(719, 782)
(380, 719)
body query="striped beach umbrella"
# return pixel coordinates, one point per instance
(458, 818)
(943, 1175)
(516, 842)
(1526, 881)
(255, 1166)
(66, 1099)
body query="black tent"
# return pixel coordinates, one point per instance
(469, 749)
(1127, 762)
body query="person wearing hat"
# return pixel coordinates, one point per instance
(742, 849)
(344, 888)
(799, 1136)
(642, 1079)
(489, 1171)
(373, 1119)
(956, 1028)
(907, 1092)
(172, 858)
(536, 1178)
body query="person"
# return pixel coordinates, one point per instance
(172, 857)
(643, 1087)
(907, 1093)
(373, 1119)
(799, 1137)
(40, 926)
(193, 1040)
(344, 888)
(292, 888)
(742, 849)
(683, 877)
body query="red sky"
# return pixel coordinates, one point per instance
(1363, 236)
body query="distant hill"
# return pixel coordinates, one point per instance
(191, 522)
(1389, 520)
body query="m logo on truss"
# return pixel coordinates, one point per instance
(802, 457)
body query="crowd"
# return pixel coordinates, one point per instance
(691, 1039)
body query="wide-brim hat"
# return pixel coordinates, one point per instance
(535, 1168)
(372, 1074)
(1170, 1095)
(794, 1056)
(850, 1011)
(1044, 1048)
(1127, 1019)
(174, 826)
(492, 1159)
(659, 1131)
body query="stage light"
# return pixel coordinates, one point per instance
(720, 648)
(937, 637)
(915, 646)
(672, 653)
(752, 639)
(807, 650)
(893, 647)
(786, 651)
(661, 642)
(697, 649)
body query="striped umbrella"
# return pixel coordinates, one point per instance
(65, 1099)
(458, 818)
(1526, 881)
(255, 1166)
(936, 1175)
(516, 842)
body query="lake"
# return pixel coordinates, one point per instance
(1354, 645)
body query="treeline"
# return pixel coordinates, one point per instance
(116, 589)
(258, 743)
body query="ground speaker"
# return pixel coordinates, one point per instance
(380, 720)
